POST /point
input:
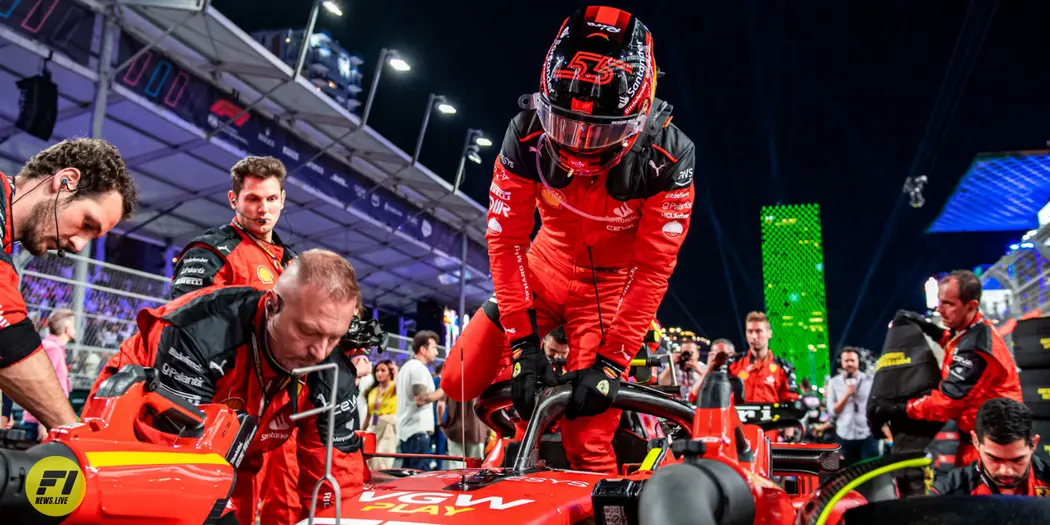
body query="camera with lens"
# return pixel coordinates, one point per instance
(363, 336)
(684, 358)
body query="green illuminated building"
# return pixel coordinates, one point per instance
(793, 274)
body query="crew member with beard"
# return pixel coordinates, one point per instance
(1006, 461)
(65, 196)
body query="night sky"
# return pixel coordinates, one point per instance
(788, 102)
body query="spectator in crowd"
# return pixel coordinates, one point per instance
(437, 440)
(382, 413)
(415, 392)
(465, 432)
(767, 378)
(847, 397)
(62, 328)
(687, 367)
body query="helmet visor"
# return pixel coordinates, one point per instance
(579, 131)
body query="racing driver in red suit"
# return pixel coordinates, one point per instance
(237, 346)
(978, 365)
(595, 151)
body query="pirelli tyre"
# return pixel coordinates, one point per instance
(1031, 340)
(1035, 387)
(1041, 427)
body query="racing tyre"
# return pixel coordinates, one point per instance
(1031, 340)
(952, 510)
(1035, 388)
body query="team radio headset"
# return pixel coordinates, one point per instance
(11, 207)
(274, 260)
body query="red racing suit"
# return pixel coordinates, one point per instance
(576, 269)
(230, 256)
(970, 481)
(209, 346)
(977, 367)
(770, 380)
(18, 337)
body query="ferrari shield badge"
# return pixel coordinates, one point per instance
(1042, 492)
(603, 387)
(517, 369)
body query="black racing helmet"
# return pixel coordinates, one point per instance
(597, 88)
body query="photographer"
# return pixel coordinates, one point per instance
(686, 364)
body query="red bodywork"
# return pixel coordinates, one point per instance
(551, 496)
(131, 482)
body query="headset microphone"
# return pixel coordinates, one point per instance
(58, 238)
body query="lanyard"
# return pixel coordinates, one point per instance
(274, 260)
(268, 391)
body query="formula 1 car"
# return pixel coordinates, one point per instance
(717, 472)
(527, 481)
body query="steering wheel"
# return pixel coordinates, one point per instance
(551, 403)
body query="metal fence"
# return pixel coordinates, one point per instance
(113, 296)
(1024, 276)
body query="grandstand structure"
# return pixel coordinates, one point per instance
(1007, 192)
(185, 94)
(793, 278)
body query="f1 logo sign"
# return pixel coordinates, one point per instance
(593, 68)
(225, 108)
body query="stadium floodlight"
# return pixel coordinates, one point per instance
(332, 7)
(329, 6)
(399, 64)
(440, 103)
(471, 147)
(386, 56)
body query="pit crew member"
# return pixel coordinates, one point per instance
(247, 251)
(1006, 461)
(612, 178)
(238, 346)
(978, 365)
(65, 196)
(767, 378)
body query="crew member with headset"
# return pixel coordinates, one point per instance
(247, 251)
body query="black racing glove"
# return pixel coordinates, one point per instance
(593, 389)
(904, 316)
(531, 370)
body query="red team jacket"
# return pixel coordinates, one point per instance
(771, 380)
(18, 337)
(208, 347)
(977, 367)
(229, 256)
